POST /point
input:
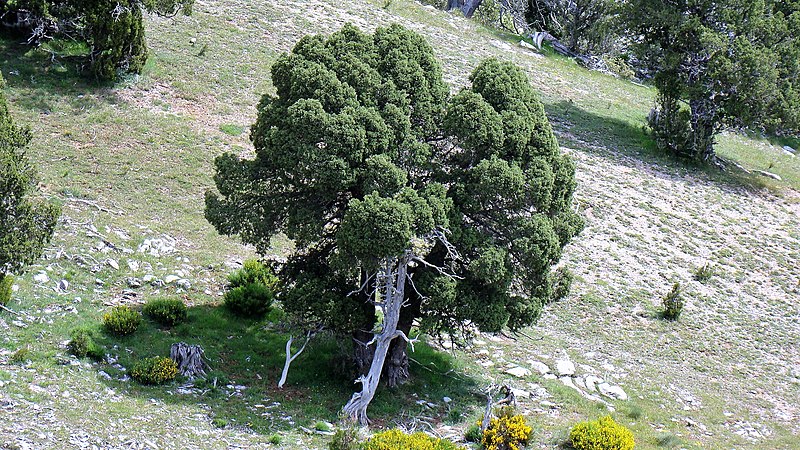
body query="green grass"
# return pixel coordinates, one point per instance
(142, 150)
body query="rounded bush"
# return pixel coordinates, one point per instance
(601, 434)
(398, 440)
(506, 432)
(6, 282)
(253, 271)
(252, 300)
(121, 320)
(166, 311)
(155, 370)
(344, 439)
(82, 343)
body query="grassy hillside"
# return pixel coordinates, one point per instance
(130, 164)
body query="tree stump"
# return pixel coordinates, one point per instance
(189, 359)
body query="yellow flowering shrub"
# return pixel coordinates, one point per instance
(121, 320)
(506, 432)
(398, 440)
(156, 370)
(601, 434)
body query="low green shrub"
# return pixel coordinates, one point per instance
(20, 356)
(155, 370)
(398, 440)
(473, 434)
(166, 311)
(506, 431)
(253, 271)
(673, 303)
(82, 343)
(6, 283)
(561, 280)
(703, 273)
(121, 320)
(345, 439)
(601, 434)
(275, 439)
(252, 300)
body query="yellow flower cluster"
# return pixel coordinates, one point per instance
(121, 320)
(398, 440)
(156, 370)
(601, 434)
(506, 432)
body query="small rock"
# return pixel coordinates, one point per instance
(519, 372)
(540, 367)
(567, 381)
(169, 279)
(565, 368)
(549, 376)
(789, 150)
(99, 282)
(133, 265)
(114, 264)
(183, 284)
(134, 282)
(63, 285)
(41, 277)
(192, 41)
(447, 399)
(612, 391)
(148, 278)
(548, 404)
(580, 382)
(103, 374)
(591, 382)
(524, 44)
(520, 393)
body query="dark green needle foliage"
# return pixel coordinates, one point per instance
(361, 151)
(718, 64)
(26, 222)
(113, 32)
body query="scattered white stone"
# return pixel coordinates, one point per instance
(580, 382)
(540, 367)
(520, 393)
(148, 278)
(567, 381)
(612, 391)
(63, 285)
(113, 264)
(134, 282)
(549, 376)
(591, 382)
(41, 277)
(169, 279)
(519, 372)
(548, 404)
(565, 368)
(447, 399)
(183, 284)
(789, 150)
(133, 265)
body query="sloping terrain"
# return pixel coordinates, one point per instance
(130, 165)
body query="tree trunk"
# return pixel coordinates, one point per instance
(702, 119)
(467, 7)
(393, 282)
(396, 369)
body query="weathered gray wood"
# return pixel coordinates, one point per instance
(190, 359)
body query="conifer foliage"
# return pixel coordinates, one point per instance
(718, 63)
(112, 31)
(362, 155)
(26, 223)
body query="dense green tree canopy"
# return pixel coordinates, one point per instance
(733, 63)
(112, 30)
(361, 152)
(26, 224)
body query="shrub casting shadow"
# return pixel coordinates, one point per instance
(629, 145)
(244, 353)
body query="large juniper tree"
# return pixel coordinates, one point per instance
(26, 224)
(446, 212)
(718, 63)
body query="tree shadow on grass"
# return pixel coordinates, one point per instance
(44, 78)
(245, 353)
(627, 143)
